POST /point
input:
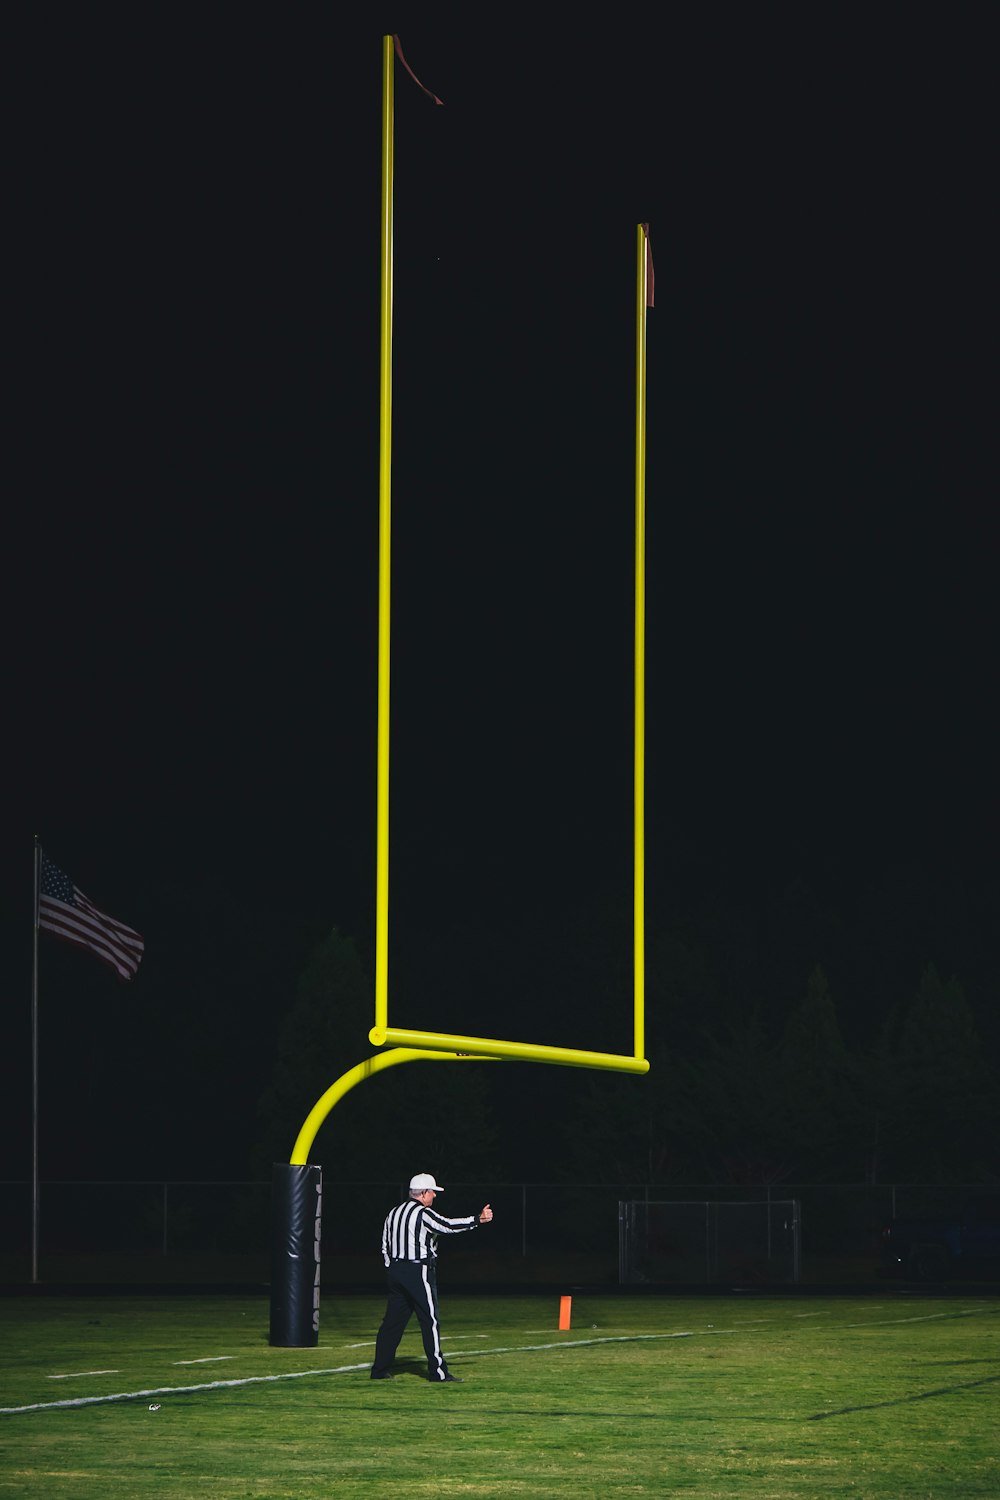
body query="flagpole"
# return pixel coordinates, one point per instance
(35, 1196)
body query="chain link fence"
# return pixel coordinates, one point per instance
(215, 1231)
(709, 1242)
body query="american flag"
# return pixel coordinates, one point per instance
(65, 911)
(416, 80)
(649, 266)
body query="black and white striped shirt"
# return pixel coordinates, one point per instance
(410, 1232)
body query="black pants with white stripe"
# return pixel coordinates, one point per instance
(412, 1289)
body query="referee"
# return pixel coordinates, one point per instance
(409, 1249)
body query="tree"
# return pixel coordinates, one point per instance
(820, 1084)
(748, 1134)
(627, 1129)
(940, 1088)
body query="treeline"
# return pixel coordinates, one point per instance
(727, 1102)
(920, 1103)
(790, 1039)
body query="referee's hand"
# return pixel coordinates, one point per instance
(486, 1215)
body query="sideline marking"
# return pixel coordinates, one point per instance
(173, 1390)
(961, 1312)
(629, 1338)
(79, 1374)
(220, 1385)
(455, 1336)
(370, 1343)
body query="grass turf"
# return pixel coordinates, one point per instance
(757, 1397)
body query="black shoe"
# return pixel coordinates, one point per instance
(380, 1377)
(455, 1380)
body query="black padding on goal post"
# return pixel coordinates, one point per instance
(296, 1207)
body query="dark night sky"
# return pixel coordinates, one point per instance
(192, 642)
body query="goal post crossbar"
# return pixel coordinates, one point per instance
(567, 1057)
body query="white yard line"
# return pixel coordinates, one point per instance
(958, 1312)
(174, 1390)
(628, 1338)
(370, 1343)
(220, 1385)
(207, 1359)
(456, 1337)
(79, 1374)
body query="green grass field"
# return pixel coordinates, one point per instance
(882, 1396)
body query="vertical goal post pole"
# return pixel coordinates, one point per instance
(643, 294)
(384, 545)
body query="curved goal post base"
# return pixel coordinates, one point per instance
(353, 1076)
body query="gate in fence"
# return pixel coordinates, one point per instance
(708, 1242)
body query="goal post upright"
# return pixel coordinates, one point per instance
(643, 299)
(385, 546)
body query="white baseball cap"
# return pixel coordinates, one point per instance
(424, 1183)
